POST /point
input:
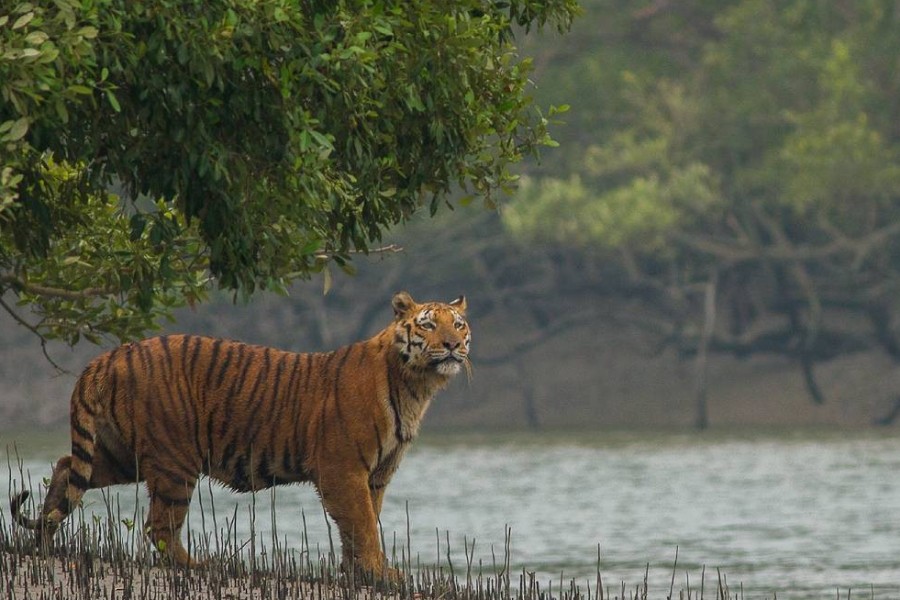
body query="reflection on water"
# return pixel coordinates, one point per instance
(801, 515)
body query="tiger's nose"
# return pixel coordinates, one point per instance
(451, 344)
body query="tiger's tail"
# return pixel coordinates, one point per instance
(15, 507)
(72, 474)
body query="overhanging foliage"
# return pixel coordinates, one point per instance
(266, 137)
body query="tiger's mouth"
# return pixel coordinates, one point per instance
(448, 364)
(450, 357)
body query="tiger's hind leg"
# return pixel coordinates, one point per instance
(170, 498)
(106, 469)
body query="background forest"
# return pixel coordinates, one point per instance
(714, 241)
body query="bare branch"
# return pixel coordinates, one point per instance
(33, 330)
(54, 292)
(390, 248)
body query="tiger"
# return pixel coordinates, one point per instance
(168, 409)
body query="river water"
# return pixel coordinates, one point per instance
(799, 515)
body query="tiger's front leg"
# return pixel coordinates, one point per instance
(348, 500)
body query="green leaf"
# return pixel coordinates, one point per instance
(61, 111)
(113, 101)
(48, 55)
(23, 20)
(88, 32)
(36, 38)
(17, 131)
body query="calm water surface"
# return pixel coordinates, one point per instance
(800, 515)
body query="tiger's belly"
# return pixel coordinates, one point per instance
(241, 476)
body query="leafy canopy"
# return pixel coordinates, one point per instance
(148, 146)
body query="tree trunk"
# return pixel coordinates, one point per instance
(709, 324)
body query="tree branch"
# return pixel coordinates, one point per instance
(54, 292)
(33, 330)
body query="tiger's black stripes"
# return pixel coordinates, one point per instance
(79, 451)
(176, 389)
(78, 480)
(264, 470)
(293, 404)
(81, 399)
(336, 394)
(240, 480)
(196, 350)
(293, 380)
(113, 404)
(278, 393)
(183, 344)
(408, 328)
(81, 431)
(167, 352)
(231, 394)
(220, 378)
(145, 352)
(167, 409)
(253, 396)
(213, 362)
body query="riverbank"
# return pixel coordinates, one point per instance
(93, 563)
(32, 577)
(29, 577)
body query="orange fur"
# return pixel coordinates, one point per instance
(167, 409)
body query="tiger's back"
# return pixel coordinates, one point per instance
(210, 405)
(167, 409)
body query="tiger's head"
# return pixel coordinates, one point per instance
(432, 336)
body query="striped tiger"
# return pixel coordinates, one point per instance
(167, 409)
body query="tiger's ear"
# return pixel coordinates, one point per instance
(459, 304)
(403, 304)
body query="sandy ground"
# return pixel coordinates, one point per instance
(25, 577)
